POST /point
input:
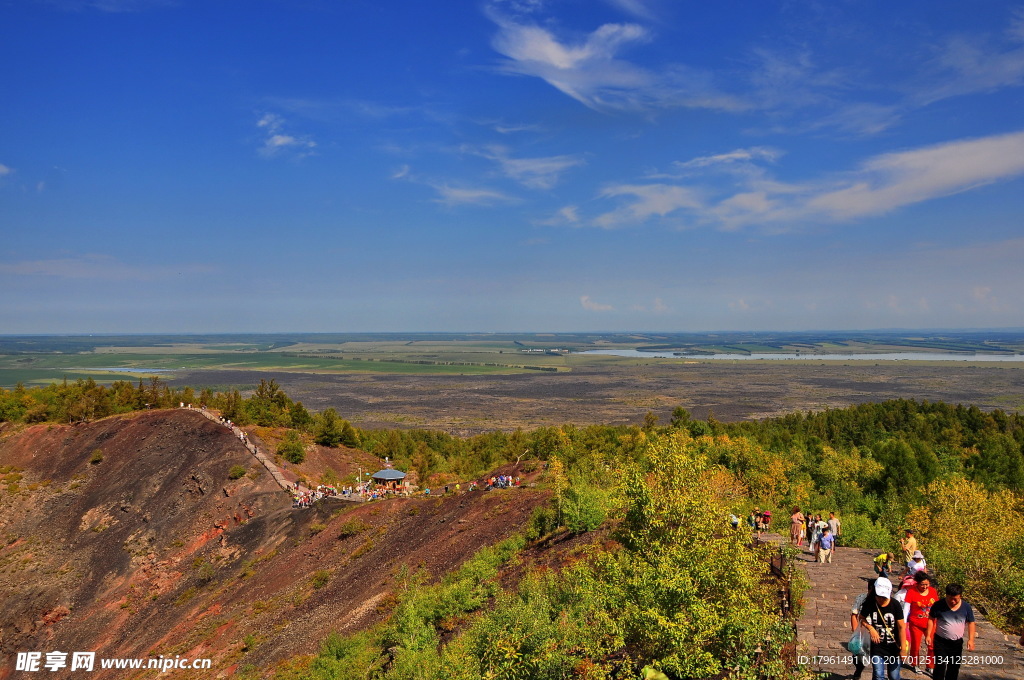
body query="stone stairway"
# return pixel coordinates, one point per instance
(824, 626)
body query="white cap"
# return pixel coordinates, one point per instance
(883, 587)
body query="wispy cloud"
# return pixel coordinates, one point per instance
(455, 195)
(965, 66)
(880, 185)
(277, 141)
(732, 158)
(4, 170)
(592, 306)
(591, 71)
(535, 173)
(98, 267)
(647, 200)
(636, 8)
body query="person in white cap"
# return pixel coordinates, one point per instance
(883, 618)
(916, 563)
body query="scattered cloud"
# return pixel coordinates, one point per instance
(636, 8)
(894, 180)
(1015, 31)
(732, 158)
(535, 173)
(590, 70)
(453, 196)
(592, 306)
(97, 267)
(648, 200)
(567, 215)
(880, 185)
(508, 129)
(4, 170)
(401, 172)
(276, 141)
(965, 66)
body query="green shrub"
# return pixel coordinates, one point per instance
(291, 448)
(352, 528)
(96, 458)
(236, 472)
(320, 579)
(858, 531)
(584, 508)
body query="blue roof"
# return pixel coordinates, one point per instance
(389, 475)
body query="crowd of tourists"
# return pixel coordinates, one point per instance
(889, 628)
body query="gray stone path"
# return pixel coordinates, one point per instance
(824, 626)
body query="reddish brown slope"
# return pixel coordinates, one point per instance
(155, 551)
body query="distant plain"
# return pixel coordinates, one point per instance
(468, 383)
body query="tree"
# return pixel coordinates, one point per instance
(328, 428)
(349, 436)
(300, 417)
(291, 448)
(680, 418)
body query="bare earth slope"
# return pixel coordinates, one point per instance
(154, 550)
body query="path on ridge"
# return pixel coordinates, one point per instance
(824, 626)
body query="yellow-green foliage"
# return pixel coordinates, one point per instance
(974, 536)
(681, 594)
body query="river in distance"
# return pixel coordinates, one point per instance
(780, 356)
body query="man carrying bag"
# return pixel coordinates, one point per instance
(883, 618)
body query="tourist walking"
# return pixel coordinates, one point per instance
(916, 563)
(908, 544)
(796, 527)
(948, 621)
(836, 526)
(919, 600)
(883, 618)
(859, 637)
(825, 546)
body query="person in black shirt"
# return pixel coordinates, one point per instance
(883, 619)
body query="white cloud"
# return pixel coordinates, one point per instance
(894, 180)
(453, 196)
(277, 141)
(880, 185)
(592, 306)
(508, 129)
(567, 215)
(590, 71)
(733, 157)
(637, 8)
(401, 172)
(967, 67)
(649, 200)
(535, 173)
(4, 170)
(1015, 31)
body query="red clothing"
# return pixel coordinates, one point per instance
(920, 605)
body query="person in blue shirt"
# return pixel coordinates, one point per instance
(825, 546)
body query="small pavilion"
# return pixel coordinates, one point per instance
(389, 478)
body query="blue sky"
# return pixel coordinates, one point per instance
(510, 165)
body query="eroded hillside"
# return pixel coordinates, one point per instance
(127, 537)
